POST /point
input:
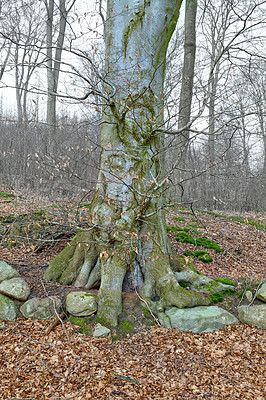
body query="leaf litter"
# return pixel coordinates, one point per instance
(154, 363)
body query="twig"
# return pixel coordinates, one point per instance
(58, 316)
(143, 300)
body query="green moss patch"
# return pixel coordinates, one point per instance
(226, 281)
(184, 284)
(185, 237)
(171, 228)
(77, 321)
(7, 195)
(208, 244)
(180, 219)
(202, 255)
(126, 325)
(217, 297)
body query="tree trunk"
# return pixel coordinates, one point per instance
(128, 234)
(53, 69)
(182, 140)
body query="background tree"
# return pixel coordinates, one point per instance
(181, 141)
(54, 49)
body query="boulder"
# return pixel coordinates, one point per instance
(191, 276)
(249, 296)
(211, 287)
(261, 294)
(200, 319)
(8, 310)
(16, 288)
(253, 315)
(41, 308)
(100, 331)
(202, 283)
(81, 304)
(7, 272)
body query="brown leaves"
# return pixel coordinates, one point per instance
(157, 363)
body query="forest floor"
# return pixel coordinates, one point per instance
(147, 362)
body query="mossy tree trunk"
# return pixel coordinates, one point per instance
(128, 235)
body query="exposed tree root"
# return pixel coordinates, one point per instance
(84, 264)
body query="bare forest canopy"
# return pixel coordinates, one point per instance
(51, 82)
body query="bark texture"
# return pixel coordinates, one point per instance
(128, 236)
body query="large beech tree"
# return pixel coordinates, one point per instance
(127, 239)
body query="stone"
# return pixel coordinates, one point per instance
(100, 331)
(81, 304)
(16, 288)
(7, 272)
(191, 276)
(261, 294)
(249, 295)
(211, 287)
(253, 315)
(202, 283)
(200, 319)
(41, 309)
(8, 309)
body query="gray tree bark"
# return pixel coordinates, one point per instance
(53, 66)
(128, 234)
(182, 140)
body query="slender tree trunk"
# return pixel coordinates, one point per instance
(18, 82)
(182, 140)
(214, 77)
(4, 62)
(263, 175)
(53, 68)
(128, 235)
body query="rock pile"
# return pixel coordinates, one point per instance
(15, 292)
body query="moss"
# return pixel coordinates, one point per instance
(203, 256)
(185, 237)
(7, 195)
(188, 263)
(184, 284)
(171, 228)
(40, 212)
(127, 326)
(77, 321)
(208, 244)
(146, 312)
(189, 253)
(59, 263)
(226, 281)
(179, 219)
(238, 219)
(228, 291)
(217, 297)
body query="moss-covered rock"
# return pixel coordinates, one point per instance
(16, 288)
(7, 272)
(8, 309)
(81, 303)
(225, 281)
(41, 309)
(200, 319)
